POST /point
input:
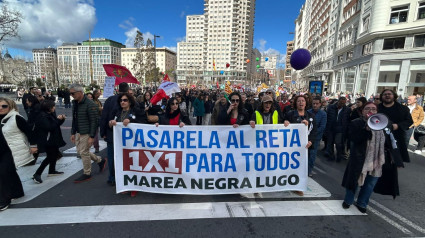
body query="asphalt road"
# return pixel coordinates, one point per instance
(386, 217)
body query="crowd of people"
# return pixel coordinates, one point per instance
(372, 159)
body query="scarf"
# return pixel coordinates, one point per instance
(375, 157)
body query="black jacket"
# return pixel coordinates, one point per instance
(293, 117)
(48, 131)
(110, 110)
(135, 115)
(85, 117)
(358, 144)
(165, 120)
(335, 123)
(224, 119)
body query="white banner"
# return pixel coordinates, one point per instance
(108, 89)
(210, 159)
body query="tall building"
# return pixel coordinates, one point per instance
(45, 61)
(166, 59)
(370, 45)
(103, 51)
(288, 67)
(68, 70)
(226, 45)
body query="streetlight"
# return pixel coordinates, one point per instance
(154, 45)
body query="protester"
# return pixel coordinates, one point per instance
(199, 108)
(369, 152)
(173, 115)
(400, 117)
(15, 151)
(321, 120)
(301, 115)
(235, 114)
(220, 106)
(417, 113)
(33, 112)
(67, 98)
(208, 105)
(182, 104)
(26, 95)
(110, 109)
(84, 124)
(49, 138)
(128, 113)
(337, 127)
(96, 95)
(266, 113)
(247, 105)
(356, 111)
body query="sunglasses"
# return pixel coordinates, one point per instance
(72, 93)
(173, 104)
(268, 92)
(4, 106)
(377, 98)
(234, 100)
(124, 100)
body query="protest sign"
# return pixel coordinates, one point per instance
(108, 89)
(210, 160)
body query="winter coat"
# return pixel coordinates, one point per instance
(359, 137)
(224, 119)
(85, 117)
(293, 117)
(198, 108)
(165, 120)
(48, 131)
(338, 124)
(110, 109)
(135, 115)
(321, 122)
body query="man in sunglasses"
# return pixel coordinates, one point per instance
(85, 116)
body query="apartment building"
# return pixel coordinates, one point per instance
(228, 32)
(45, 61)
(373, 44)
(68, 70)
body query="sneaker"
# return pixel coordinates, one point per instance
(37, 178)
(55, 173)
(419, 152)
(102, 165)
(299, 193)
(2, 208)
(82, 178)
(345, 205)
(361, 209)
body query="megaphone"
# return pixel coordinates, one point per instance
(377, 122)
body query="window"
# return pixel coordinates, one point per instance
(421, 10)
(366, 23)
(399, 14)
(367, 48)
(394, 43)
(340, 58)
(349, 55)
(419, 41)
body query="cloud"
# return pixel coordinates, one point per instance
(127, 24)
(172, 48)
(182, 14)
(131, 35)
(262, 46)
(52, 22)
(181, 39)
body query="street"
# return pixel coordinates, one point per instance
(60, 208)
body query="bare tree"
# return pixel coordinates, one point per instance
(9, 22)
(139, 62)
(150, 64)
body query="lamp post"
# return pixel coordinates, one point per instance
(154, 45)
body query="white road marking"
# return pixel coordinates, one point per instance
(401, 218)
(174, 211)
(319, 170)
(391, 222)
(67, 164)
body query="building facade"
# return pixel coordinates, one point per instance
(166, 59)
(228, 33)
(371, 45)
(45, 62)
(68, 63)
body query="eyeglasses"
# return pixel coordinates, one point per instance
(124, 100)
(235, 100)
(4, 106)
(269, 92)
(377, 98)
(370, 109)
(72, 93)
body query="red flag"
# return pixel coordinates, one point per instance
(217, 85)
(159, 95)
(121, 73)
(166, 78)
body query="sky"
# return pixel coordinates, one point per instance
(49, 23)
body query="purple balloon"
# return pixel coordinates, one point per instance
(300, 59)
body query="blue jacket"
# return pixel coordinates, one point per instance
(321, 119)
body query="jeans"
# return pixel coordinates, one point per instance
(365, 192)
(207, 119)
(338, 140)
(60, 101)
(312, 155)
(408, 135)
(111, 167)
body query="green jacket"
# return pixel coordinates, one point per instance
(85, 117)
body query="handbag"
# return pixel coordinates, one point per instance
(420, 129)
(152, 118)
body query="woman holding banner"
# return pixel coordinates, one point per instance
(301, 115)
(128, 113)
(173, 115)
(235, 114)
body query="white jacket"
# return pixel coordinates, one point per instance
(16, 139)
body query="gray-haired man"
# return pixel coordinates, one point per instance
(84, 124)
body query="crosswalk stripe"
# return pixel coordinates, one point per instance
(174, 211)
